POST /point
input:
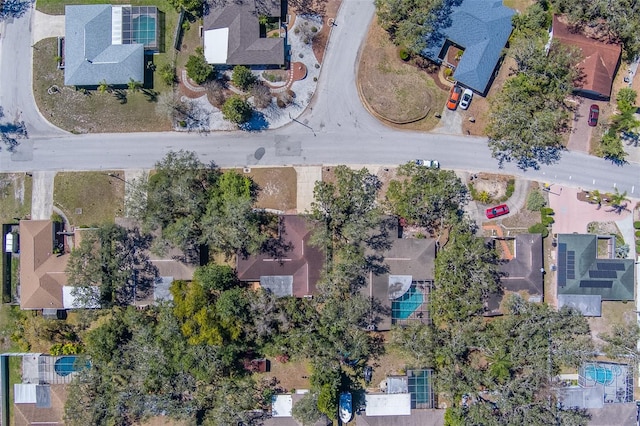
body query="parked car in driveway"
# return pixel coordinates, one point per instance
(594, 113)
(467, 95)
(501, 210)
(454, 97)
(432, 164)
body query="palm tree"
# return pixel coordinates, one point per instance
(499, 365)
(596, 197)
(103, 86)
(618, 201)
(134, 85)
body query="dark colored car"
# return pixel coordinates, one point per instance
(368, 374)
(496, 211)
(454, 97)
(594, 113)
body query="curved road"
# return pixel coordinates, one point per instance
(336, 129)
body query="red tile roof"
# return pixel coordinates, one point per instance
(600, 61)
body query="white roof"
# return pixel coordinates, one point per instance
(383, 404)
(281, 405)
(24, 393)
(69, 300)
(216, 44)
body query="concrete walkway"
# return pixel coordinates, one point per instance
(45, 26)
(42, 195)
(306, 181)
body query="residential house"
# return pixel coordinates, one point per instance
(403, 290)
(293, 269)
(106, 44)
(233, 33)
(600, 60)
(522, 270)
(585, 278)
(481, 28)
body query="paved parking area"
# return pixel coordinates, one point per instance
(580, 130)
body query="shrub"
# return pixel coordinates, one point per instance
(511, 186)
(242, 77)
(547, 220)
(448, 72)
(314, 30)
(535, 201)
(56, 218)
(638, 234)
(237, 110)
(167, 73)
(636, 224)
(539, 228)
(261, 95)
(484, 197)
(547, 211)
(215, 92)
(198, 69)
(404, 54)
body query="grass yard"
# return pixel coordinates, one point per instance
(89, 198)
(278, 187)
(519, 5)
(612, 313)
(394, 89)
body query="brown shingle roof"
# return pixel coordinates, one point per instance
(245, 46)
(42, 273)
(600, 60)
(301, 260)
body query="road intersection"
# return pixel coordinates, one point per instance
(335, 129)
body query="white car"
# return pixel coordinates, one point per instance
(432, 164)
(467, 95)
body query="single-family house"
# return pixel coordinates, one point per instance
(481, 28)
(293, 269)
(521, 271)
(600, 60)
(233, 34)
(585, 278)
(403, 289)
(106, 44)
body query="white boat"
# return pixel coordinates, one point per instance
(345, 407)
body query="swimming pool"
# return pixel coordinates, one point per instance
(144, 29)
(600, 374)
(403, 307)
(68, 364)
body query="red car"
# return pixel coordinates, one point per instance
(496, 211)
(454, 97)
(594, 113)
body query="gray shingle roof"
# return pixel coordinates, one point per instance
(245, 47)
(90, 58)
(482, 28)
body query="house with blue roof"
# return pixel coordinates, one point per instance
(481, 28)
(105, 43)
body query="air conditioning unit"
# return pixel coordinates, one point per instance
(247, 170)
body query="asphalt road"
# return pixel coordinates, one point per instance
(336, 129)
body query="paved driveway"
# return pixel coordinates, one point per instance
(450, 122)
(580, 130)
(45, 26)
(572, 215)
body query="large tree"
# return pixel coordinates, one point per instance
(408, 22)
(529, 115)
(111, 266)
(426, 197)
(466, 274)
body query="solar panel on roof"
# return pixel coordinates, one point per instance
(611, 266)
(596, 284)
(562, 265)
(603, 274)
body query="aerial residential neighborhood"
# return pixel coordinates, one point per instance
(322, 212)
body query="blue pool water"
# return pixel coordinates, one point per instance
(403, 307)
(600, 375)
(67, 365)
(144, 29)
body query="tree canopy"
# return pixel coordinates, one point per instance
(198, 69)
(529, 115)
(408, 22)
(426, 197)
(623, 123)
(237, 110)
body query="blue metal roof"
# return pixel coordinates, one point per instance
(482, 28)
(90, 56)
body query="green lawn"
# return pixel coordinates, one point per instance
(89, 198)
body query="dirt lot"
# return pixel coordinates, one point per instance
(325, 8)
(393, 89)
(292, 375)
(278, 187)
(90, 111)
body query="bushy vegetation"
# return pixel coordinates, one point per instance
(535, 200)
(622, 123)
(237, 110)
(242, 77)
(198, 69)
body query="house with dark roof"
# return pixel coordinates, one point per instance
(584, 279)
(105, 43)
(600, 60)
(481, 28)
(403, 289)
(233, 35)
(521, 272)
(292, 271)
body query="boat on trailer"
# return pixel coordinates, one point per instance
(346, 407)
